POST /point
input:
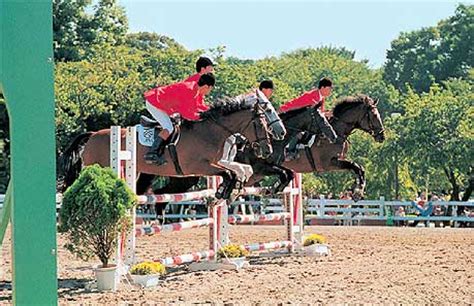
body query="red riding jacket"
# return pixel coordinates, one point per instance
(182, 98)
(193, 78)
(309, 98)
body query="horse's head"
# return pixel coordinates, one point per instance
(274, 125)
(371, 122)
(360, 112)
(267, 124)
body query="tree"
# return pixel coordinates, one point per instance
(147, 41)
(75, 29)
(437, 136)
(97, 93)
(431, 55)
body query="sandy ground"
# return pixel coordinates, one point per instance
(368, 265)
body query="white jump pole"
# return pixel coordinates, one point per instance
(298, 218)
(117, 155)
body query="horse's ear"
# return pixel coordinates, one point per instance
(376, 101)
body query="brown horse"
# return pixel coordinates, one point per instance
(350, 113)
(199, 148)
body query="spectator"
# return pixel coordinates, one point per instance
(400, 213)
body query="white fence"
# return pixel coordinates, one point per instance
(345, 210)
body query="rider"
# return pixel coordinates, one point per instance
(203, 65)
(185, 98)
(266, 86)
(314, 98)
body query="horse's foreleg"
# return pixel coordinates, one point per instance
(228, 183)
(144, 182)
(240, 172)
(359, 184)
(285, 176)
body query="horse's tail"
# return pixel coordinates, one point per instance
(70, 162)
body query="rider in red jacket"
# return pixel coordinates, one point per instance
(203, 65)
(185, 98)
(310, 98)
(314, 98)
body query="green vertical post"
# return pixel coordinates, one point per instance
(5, 213)
(26, 80)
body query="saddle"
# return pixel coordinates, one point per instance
(153, 126)
(149, 123)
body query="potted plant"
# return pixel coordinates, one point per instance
(315, 244)
(93, 214)
(147, 274)
(233, 254)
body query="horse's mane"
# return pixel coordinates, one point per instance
(293, 112)
(349, 102)
(226, 106)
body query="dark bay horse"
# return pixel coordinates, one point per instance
(307, 119)
(350, 113)
(200, 147)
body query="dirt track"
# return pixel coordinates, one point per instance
(368, 265)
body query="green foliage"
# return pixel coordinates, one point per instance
(147, 268)
(150, 41)
(77, 27)
(436, 135)
(104, 90)
(420, 58)
(94, 213)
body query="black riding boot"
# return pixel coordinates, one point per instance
(325, 127)
(154, 154)
(291, 151)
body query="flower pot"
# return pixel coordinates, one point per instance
(146, 281)
(239, 262)
(317, 249)
(107, 278)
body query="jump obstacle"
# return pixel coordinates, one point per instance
(124, 164)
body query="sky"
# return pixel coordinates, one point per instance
(257, 29)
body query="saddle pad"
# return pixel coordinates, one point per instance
(145, 135)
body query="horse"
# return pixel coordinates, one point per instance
(350, 113)
(200, 146)
(302, 120)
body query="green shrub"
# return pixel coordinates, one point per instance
(94, 212)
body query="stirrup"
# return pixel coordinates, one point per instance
(289, 156)
(154, 158)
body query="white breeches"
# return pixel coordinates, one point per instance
(161, 117)
(242, 171)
